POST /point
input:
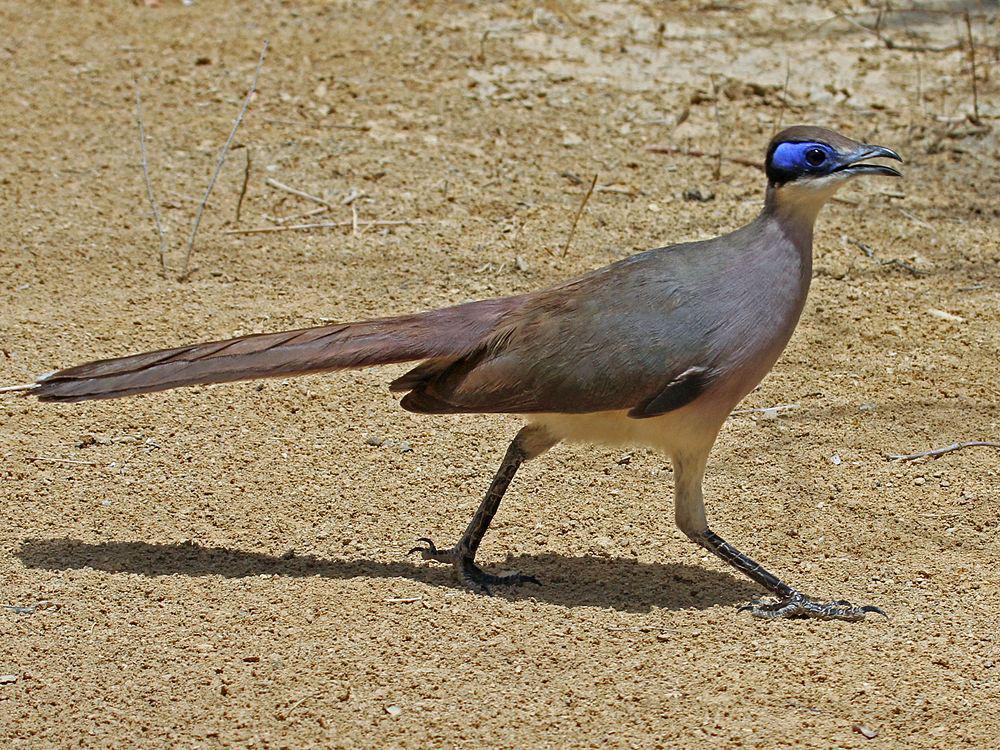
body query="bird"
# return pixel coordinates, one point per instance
(653, 350)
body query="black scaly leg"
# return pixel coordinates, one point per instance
(790, 603)
(463, 554)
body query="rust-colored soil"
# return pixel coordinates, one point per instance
(226, 566)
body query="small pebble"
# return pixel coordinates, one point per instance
(945, 315)
(866, 731)
(8, 679)
(702, 195)
(393, 710)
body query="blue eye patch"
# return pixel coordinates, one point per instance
(796, 158)
(791, 160)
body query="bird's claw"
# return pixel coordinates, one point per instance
(431, 549)
(800, 606)
(471, 574)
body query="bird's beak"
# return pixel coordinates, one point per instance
(853, 162)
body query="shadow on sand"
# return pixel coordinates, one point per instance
(616, 583)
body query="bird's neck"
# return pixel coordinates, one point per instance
(794, 211)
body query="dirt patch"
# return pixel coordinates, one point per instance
(225, 566)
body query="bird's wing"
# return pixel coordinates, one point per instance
(623, 337)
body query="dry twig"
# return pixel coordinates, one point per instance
(324, 225)
(899, 263)
(149, 185)
(579, 213)
(185, 268)
(934, 453)
(866, 249)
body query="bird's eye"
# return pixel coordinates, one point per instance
(815, 157)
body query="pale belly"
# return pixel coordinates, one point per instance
(692, 428)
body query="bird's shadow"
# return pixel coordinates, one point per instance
(608, 582)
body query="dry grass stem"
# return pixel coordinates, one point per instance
(916, 219)
(47, 460)
(579, 213)
(972, 72)
(352, 195)
(16, 388)
(717, 174)
(185, 267)
(243, 187)
(766, 409)
(784, 97)
(639, 629)
(271, 182)
(295, 705)
(149, 185)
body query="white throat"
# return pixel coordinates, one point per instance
(800, 201)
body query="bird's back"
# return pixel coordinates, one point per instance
(618, 336)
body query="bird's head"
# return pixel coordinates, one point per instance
(806, 165)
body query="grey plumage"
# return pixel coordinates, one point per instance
(655, 349)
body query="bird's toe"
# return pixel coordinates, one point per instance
(800, 606)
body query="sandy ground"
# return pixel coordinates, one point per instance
(226, 566)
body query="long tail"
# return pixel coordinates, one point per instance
(446, 333)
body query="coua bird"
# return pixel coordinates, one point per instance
(655, 350)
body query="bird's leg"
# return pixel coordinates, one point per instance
(530, 442)
(790, 603)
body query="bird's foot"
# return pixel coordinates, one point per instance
(471, 574)
(800, 606)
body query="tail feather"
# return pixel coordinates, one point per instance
(439, 334)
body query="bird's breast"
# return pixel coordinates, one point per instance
(758, 308)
